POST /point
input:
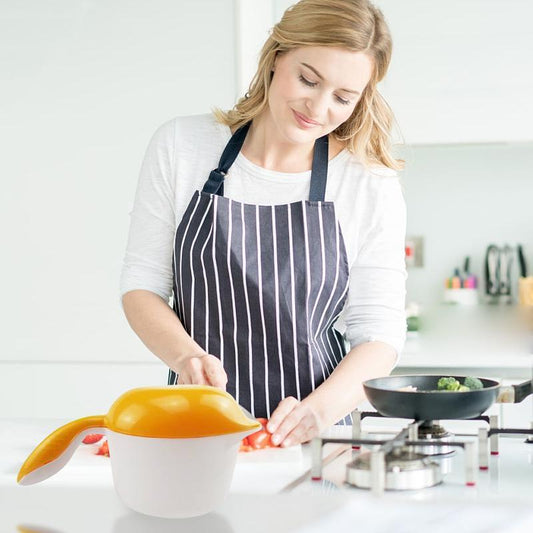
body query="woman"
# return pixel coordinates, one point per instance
(293, 244)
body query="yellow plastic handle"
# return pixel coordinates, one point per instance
(56, 449)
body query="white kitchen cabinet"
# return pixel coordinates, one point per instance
(461, 71)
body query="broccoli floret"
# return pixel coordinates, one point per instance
(448, 383)
(464, 388)
(473, 383)
(456, 385)
(444, 383)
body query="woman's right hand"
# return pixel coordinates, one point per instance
(203, 369)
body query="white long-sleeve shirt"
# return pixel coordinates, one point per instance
(368, 202)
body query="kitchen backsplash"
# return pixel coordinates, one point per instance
(461, 199)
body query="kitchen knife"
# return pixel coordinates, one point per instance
(466, 267)
(506, 261)
(492, 270)
(522, 262)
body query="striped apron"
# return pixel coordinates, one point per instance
(260, 287)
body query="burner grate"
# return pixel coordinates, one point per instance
(405, 461)
(388, 466)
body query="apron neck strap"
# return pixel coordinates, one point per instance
(319, 171)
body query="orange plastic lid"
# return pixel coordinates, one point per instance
(177, 411)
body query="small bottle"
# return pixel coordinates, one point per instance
(456, 280)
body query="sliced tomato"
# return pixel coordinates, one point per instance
(259, 439)
(245, 445)
(92, 438)
(103, 449)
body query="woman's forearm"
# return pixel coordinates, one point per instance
(161, 331)
(343, 390)
(159, 328)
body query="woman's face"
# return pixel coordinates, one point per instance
(317, 84)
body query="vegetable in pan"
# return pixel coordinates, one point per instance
(473, 383)
(452, 384)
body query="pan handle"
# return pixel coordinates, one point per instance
(521, 391)
(514, 393)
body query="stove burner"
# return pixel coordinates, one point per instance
(405, 470)
(434, 432)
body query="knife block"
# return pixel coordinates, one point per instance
(525, 291)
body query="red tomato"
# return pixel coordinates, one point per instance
(259, 439)
(92, 438)
(245, 445)
(103, 449)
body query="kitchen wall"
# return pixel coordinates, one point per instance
(83, 87)
(461, 198)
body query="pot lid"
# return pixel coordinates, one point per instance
(177, 411)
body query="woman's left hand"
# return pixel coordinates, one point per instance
(294, 422)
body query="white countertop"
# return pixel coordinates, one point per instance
(491, 341)
(81, 498)
(422, 354)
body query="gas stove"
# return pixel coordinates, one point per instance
(412, 457)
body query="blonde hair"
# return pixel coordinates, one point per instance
(356, 25)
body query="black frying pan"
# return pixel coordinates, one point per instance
(426, 403)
